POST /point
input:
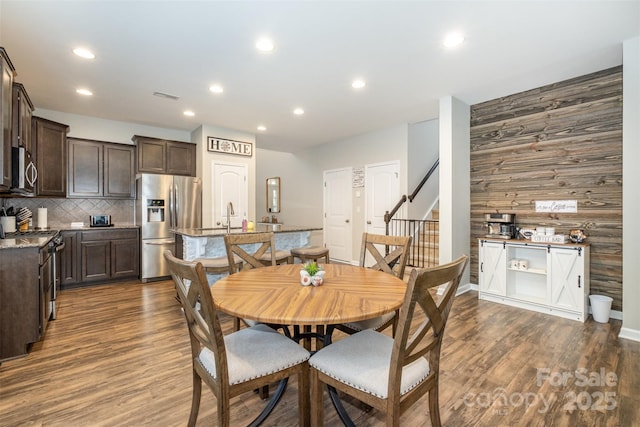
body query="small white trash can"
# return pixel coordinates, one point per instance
(600, 307)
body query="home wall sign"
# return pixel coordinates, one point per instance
(229, 146)
(557, 206)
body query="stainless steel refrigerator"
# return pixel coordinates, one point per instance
(164, 203)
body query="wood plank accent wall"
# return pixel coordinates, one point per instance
(557, 142)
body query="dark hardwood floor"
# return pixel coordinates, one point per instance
(119, 355)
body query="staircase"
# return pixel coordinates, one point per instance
(424, 250)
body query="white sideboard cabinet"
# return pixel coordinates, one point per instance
(544, 277)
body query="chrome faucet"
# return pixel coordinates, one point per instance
(229, 213)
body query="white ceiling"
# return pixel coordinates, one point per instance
(182, 47)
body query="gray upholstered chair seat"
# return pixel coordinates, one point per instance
(255, 352)
(362, 361)
(281, 255)
(375, 323)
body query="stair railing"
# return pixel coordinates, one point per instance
(423, 251)
(388, 215)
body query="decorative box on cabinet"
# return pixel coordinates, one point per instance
(7, 72)
(165, 157)
(543, 277)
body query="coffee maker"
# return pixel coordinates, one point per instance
(500, 225)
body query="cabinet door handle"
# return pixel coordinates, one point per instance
(579, 277)
(482, 267)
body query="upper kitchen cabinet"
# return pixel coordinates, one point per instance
(101, 169)
(49, 145)
(165, 157)
(6, 95)
(22, 110)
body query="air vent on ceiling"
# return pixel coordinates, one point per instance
(166, 95)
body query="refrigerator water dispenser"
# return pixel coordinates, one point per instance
(155, 210)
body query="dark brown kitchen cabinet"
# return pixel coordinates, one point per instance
(100, 169)
(21, 302)
(7, 72)
(68, 259)
(165, 157)
(109, 255)
(21, 122)
(49, 147)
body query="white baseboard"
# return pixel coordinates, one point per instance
(629, 334)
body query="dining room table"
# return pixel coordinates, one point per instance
(274, 295)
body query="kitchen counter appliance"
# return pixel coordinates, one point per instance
(500, 225)
(164, 203)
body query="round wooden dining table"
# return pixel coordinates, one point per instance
(274, 295)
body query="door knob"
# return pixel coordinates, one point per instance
(347, 221)
(369, 222)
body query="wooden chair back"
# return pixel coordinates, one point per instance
(238, 244)
(200, 312)
(426, 339)
(395, 261)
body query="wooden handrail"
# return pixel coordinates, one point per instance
(389, 214)
(424, 180)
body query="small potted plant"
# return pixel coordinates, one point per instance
(311, 274)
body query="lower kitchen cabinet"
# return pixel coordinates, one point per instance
(24, 307)
(92, 256)
(543, 277)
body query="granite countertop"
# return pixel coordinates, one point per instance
(27, 241)
(258, 228)
(24, 242)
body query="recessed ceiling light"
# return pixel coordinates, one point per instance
(189, 113)
(453, 39)
(358, 84)
(262, 128)
(84, 53)
(216, 88)
(85, 92)
(265, 44)
(298, 111)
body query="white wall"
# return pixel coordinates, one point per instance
(422, 153)
(205, 161)
(108, 130)
(630, 194)
(375, 147)
(455, 186)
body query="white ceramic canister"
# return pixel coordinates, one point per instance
(8, 223)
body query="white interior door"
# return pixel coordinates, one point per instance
(337, 213)
(382, 192)
(230, 185)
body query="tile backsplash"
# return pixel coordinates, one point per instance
(66, 211)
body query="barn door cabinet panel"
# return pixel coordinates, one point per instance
(49, 144)
(101, 169)
(7, 72)
(548, 278)
(109, 254)
(165, 157)
(493, 273)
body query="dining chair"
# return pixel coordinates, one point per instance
(256, 250)
(391, 374)
(393, 263)
(239, 362)
(312, 253)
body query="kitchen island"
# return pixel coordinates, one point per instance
(192, 243)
